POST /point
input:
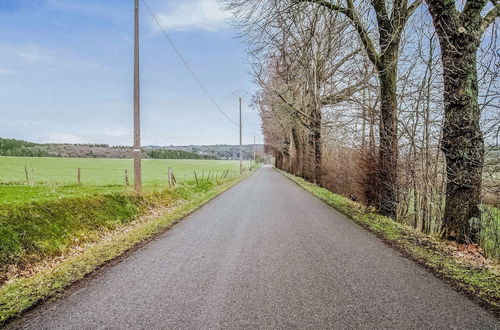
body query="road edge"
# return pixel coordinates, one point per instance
(478, 284)
(24, 294)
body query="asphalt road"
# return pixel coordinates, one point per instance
(263, 255)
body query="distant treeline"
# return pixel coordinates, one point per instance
(175, 154)
(12, 147)
(19, 148)
(103, 145)
(222, 151)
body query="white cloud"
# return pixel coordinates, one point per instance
(64, 138)
(29, 53)
(5, 72)
(118, 132)
(98, 9)
(22, 54)
(195, 15)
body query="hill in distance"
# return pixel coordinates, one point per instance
(19, 148)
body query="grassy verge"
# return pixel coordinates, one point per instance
(465, 270)
(14, 194)
(490, 233)
(19, 294)
(34, 230)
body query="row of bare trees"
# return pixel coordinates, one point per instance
(386, 101)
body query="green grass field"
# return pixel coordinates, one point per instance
(57, 177)
(103, 171)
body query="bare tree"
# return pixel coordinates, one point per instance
(460, 34)
(391, 20)
(307, 51)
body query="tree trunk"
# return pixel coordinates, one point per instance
(279, 160)
(304, 157)
(286, 155)
(311, 155)
(462, 143)
(387, 180)
(318, 152)
(296, 163)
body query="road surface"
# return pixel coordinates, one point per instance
(265, 254)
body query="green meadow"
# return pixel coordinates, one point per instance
(103, 171)
(24, 179)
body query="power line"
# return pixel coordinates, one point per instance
(186, 64)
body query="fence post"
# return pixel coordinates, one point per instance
(79, 176)
(174, 181)
(26, 172)
(126, 177)
(195, 177)
(170, 177)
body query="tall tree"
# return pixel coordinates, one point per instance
(460, 35)
(391, 20)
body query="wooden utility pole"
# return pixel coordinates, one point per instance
(137, 105)
(241, 138)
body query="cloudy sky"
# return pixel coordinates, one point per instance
(66, 72)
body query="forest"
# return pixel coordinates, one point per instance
(13, 147)
(19, 148)
(174, 154)
(393, 104)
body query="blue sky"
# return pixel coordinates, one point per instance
(66, 73)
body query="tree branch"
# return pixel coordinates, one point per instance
(489, 18)
(351, 13)
(291, 105)
(472, 9)
(413, 7)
